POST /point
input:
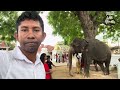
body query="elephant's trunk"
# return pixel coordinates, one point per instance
(70, 60)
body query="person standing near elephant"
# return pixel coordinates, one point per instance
(56, 57)
(49, 62)
(78, 63)
(23, 62)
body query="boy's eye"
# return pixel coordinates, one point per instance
(36, 30)
(24, 30)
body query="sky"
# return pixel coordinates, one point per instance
(50, 39)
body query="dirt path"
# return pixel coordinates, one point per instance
(61, 72)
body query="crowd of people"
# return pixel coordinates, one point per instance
(61, 57)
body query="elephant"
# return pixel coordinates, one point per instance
(91, 49)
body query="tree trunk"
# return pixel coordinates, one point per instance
(89, 28)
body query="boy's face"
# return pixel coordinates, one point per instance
(30, 35)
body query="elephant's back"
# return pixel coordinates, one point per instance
(99, 50)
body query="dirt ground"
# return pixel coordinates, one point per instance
(61, 72)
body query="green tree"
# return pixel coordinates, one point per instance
(83, 24)
(7, 25)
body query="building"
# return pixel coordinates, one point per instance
(3, 46)
(45, 49)
(60, 49)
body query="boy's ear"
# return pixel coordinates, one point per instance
(44, 35)
(16, 36)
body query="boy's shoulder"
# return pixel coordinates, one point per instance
(4, 54)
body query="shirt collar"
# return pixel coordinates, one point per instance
(17, 54)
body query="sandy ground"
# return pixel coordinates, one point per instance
(61, 72)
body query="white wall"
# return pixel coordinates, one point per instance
(114, 59)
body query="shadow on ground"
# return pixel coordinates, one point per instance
(61, 72)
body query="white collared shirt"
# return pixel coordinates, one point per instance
(15, 65)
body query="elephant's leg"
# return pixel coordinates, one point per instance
(86, 67)
(96, 68)
(70, 60)
(95, 63)
(107, 68)
(101, 66)
(70, 70)
(80, 70)
(86, 63)
(77, 67)
(107, 63)
(82, 65)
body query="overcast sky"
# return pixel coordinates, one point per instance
(50, 39)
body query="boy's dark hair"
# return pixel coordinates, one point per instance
(30, 15)
(48, 57)
(42, 57)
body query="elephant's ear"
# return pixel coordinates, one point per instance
(72, 44)
(86, 43)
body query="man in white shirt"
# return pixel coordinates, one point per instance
(23, 62)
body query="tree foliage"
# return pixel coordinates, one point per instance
(71, 24)
(66, 24)
(7, 25)
(113, 30)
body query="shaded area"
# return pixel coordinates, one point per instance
(61, 72)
